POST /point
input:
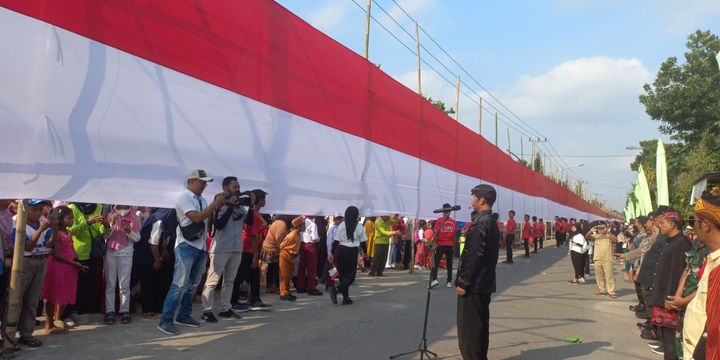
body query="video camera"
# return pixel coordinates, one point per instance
(243, 197)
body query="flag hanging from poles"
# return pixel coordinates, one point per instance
(663, 195)
(115, 101)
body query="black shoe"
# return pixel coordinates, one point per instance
(347, 301)
(637, 308)
(314, 292)
(228, 314)
(288, 297)
(209, 317)
(301, 291)
(333, 295)
(110, 318)
(648, 335)
(642, 315)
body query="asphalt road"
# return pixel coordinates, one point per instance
(533, 312)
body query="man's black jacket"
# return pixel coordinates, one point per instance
(476, 271)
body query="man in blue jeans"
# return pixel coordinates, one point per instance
(190, 252)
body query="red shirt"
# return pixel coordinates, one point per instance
(539, 229)
(527, 230)
(510, 227)
(258, 228)
(557, 227)
(446, 234)
(713, 315)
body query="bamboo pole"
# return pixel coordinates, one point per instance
(457, 100)
(367, 29)
(480, 118)
(12, 314)
(508, 135)
(417, 44)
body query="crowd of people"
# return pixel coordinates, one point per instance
(84, 258)
(672, 265)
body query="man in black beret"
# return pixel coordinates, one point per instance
(475, 281)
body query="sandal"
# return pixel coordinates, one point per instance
(30, 341)
(613, 296)
(149, 316)
(574, 282)
(601, 293)
(125, 318)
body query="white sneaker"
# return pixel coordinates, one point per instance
(434, 283)
(449, 284)
(418, 267)
(581, 280)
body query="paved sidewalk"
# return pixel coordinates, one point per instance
(534, 310)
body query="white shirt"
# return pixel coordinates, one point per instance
(40, 248)
(186, 203)
(579, 244)
(358, 236)
(332, 230)
(310, 235)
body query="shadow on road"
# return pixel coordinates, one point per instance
(560, 352)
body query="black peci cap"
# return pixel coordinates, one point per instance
(485, 191)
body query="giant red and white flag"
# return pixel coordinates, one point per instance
(116, 100)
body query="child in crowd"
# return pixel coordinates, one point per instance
(62, 269)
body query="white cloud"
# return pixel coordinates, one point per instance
(585, 106)
(331, 14)
(684, 17)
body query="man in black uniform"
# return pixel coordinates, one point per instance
(475, 281)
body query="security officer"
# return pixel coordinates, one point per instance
(475, 281)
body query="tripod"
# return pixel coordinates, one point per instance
(423, 347)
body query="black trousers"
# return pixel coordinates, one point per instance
(346, 264)
(473, 322)
(252, 276)
(639, 294)
(578, 261)
(526, 245)
(509, 240)
(155, 285)
(378, 261)
(272, 276)
(439, 252)
(587, 263)
(407, 253)
(90, 289)
(667, 337)
(559, 239)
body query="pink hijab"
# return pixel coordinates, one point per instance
(119, 239)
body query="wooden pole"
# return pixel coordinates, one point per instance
(522, 149)
(457, 100)
(12, 314)
(417, 44)
(508, 134)
(496, 131)
(532, 159)
(367, 29)
(480, 118)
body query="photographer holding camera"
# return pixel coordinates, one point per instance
(226, 249)
(193, 212)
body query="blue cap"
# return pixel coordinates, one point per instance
(33, 202)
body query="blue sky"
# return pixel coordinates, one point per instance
(572, 69)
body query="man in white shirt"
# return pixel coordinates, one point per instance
(306, 280)
(190, 252)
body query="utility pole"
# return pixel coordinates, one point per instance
(532, 159)
(522, 149)
(367, 29)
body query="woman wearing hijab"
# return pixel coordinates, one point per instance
(578, 251)
(124, 233)
(348, 238)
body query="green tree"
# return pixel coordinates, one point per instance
(685, 97)
(538, 163)
(439, 104)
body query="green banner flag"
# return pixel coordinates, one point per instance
(663, 195)
(642, 194)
